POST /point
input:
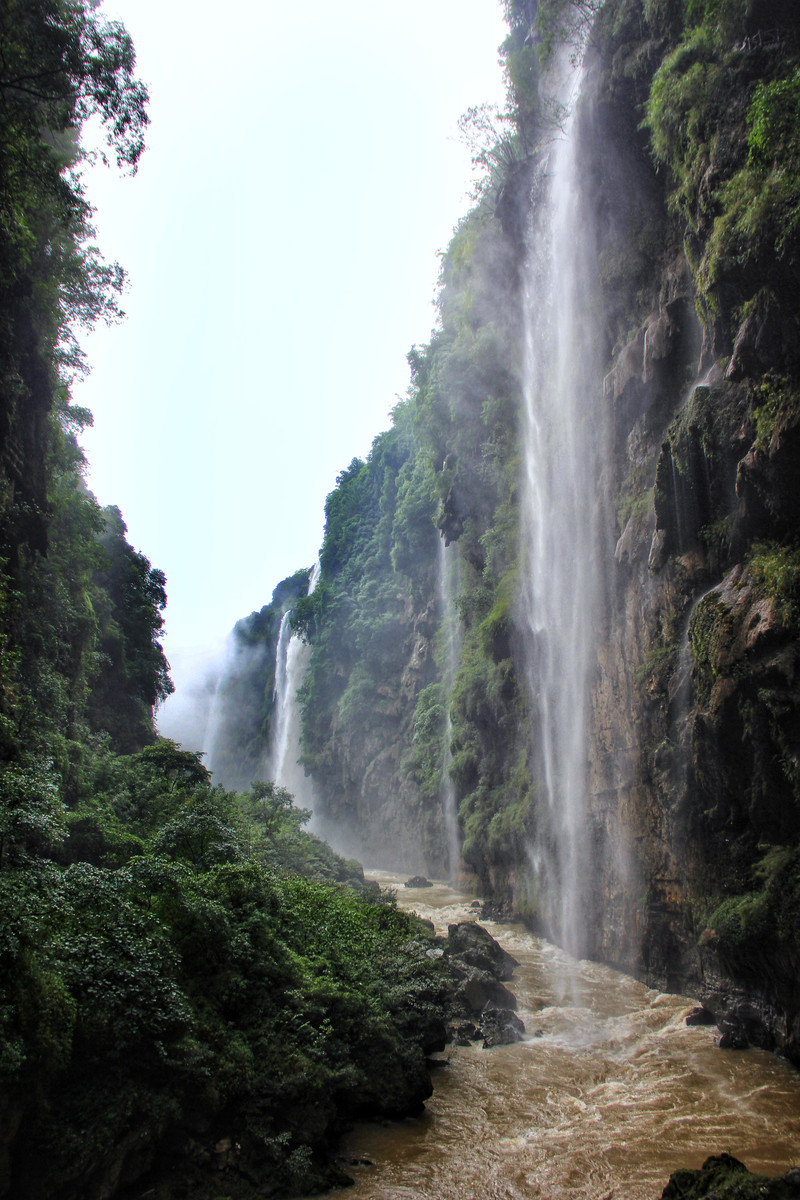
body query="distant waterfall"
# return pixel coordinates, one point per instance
(448, 580)
(291, 660)
(563, 441)
(213, 731)
(284, 709)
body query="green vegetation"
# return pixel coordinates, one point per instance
(715, 631)
(722, 117)
(430, 750)
(199, 964)
(749, 929)
(182, 968)
(776, 569)
(62, 63)
(776, 406)
(711, 633)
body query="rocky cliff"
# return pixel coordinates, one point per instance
(690, 163)
(695, 708)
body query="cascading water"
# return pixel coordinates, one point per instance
(291, 660)
(281, 696)
(563, 446)
(448, 579)
(213, 725)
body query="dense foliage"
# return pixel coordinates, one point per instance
(61, 64)
(192, 969)
(80, 610)
(189, 982)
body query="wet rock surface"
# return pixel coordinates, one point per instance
(470, 943)
(500, 1027)
(723, 1177)
(481, 1007)
(700, 1016)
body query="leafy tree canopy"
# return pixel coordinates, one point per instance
(63, 62)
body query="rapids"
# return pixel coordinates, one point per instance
(610, 1092)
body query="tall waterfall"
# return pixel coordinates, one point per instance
(563, 441)
(291, 660)
(448, 587)
(212, 735)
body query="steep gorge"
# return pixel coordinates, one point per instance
(687, 787)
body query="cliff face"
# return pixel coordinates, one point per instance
(371, 621)
(695, 706)
(241, 710)
(690, 166)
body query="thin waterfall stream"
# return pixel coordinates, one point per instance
(291, 660)
(449, 582)
(609, 1093)
(563, 442)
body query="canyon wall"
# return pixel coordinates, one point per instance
(685, 867)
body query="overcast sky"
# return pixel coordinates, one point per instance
(281, 236)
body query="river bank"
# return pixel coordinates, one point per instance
(609, 1093)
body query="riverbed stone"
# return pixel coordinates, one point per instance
(464, 1032)
(733, 1039)
(700, 1015)
(472, 944)
(476, 989)
(500, 1027)
(723, 1177)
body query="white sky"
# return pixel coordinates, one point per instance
(281, 238)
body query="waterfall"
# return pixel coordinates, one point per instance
(291, 660)
(562, 447)
(448, 587)
(283, 709)
(212, 735)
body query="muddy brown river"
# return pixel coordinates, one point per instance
(610, 1092)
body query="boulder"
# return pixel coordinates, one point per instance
(471, 944)
(476, 989)
(500, 1027)
(700, 1016)
(417, 881)
(464, 1032)
(723, 1176)
(733, 1039)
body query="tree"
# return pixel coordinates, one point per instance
(31, 813)
(134, 676)
(271, 808)
(61, 63)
